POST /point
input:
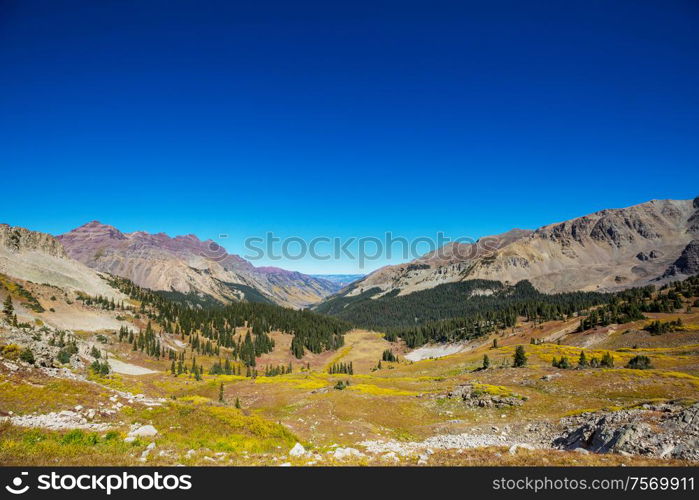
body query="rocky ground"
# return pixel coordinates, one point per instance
(660, 430)
(474, 397)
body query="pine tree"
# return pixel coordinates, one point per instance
(520, 357)
(220, 393)
(237, 403)
(486, 362)
(582, 361)
(639, 362)
(607, 360)
(8, 308)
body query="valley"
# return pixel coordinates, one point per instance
(403, 413)
(97, 368)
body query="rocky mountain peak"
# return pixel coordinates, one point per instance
(18, 239)
(95, 229)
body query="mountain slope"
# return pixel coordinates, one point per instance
(187, 265)
(607, 250)
(40, 258)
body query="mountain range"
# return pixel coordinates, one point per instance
(186, 265)
(652, 242)
(340, 279)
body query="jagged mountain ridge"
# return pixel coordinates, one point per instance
(607, 250)
(188, 265)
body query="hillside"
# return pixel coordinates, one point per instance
(39, 257)
(476, 371)
(187, 265)
(453, 300)
(192, 401)
(608, 250)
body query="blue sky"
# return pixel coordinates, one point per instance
(343, 119)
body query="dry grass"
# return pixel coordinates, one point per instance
(398, 402)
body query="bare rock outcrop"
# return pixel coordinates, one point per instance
(39, 257)
(664, 431)
(475, 397)
(18, 239)
(687, 263)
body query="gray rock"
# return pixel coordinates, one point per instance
(663, 431)
(297, 451)
(144, 431)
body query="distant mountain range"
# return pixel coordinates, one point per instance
(341, 280)
(653, 242)
(188, 266)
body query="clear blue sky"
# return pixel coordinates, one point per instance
(343, 118)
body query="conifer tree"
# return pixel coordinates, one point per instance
(519, 357)
(8, 308)
(607, 360)
(582, 361)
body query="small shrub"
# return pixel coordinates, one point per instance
(341, 385)
(27, 356)
(607, 360)
(562, 363)
(100, 367)
(111, 436)
(11, 351)
(639, 362)
(63, 356)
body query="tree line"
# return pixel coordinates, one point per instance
(210, 329)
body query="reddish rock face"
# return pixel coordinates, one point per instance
(189, 265)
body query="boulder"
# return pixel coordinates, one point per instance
(144, 431)
(297, 451)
